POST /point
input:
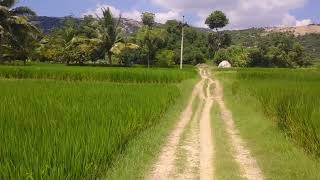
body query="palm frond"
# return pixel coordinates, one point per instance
(8, 3)
(4, 12)
(1, 30)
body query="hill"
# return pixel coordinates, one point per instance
(298, 31)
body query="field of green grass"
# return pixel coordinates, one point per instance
(123, 75)
(54, 128)
(277, 112)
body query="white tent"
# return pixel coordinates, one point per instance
(224, 64)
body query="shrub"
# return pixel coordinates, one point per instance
(165, 58)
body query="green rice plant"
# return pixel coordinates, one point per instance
(290, 97)
(125, 75)
(73, 130)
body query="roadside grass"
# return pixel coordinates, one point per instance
(291, 98)
(276, 154)
(106, 74)
(142, 152)
(226, 168)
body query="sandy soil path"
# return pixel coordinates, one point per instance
(206, 140)
(197, 144)
(164, 167)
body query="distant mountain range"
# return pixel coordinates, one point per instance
(48, 24)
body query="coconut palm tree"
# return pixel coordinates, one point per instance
(110, 33)
(15, 29)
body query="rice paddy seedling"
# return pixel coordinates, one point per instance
(125, 75)
(73, 130)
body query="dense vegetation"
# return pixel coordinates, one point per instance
(311, 42)
(289, 97)
(103, 40)
(271, 50)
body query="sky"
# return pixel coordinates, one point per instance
(242, 13)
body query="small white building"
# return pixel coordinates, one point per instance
(224, 64)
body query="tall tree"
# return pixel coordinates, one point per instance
(146, 35)
(110, 33)
(151, 40)
(217, 20)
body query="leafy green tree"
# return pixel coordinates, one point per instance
(148, 19)
(89, 27)
(173, 28)
(110, 33)
(195, 42)
(54, 47)
(217, 41)
(82, 49)
(150, 39)
(165, 58)
(193, 55)
(50, 49)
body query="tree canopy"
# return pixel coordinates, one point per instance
(148, 19)
(217, 20)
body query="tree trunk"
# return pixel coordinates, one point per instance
(110, 58)
(0, 49)
(219, 38)
(149, 59)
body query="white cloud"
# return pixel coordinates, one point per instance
(242, 13)
(289, 20)
(164, 16)
(136, 15)
(99, 8)
(161, 17)
(304, 22)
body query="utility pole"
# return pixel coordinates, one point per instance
(182, 39)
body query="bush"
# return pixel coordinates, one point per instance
(128, 56)
(193, 56)
(238, 56)
(165, 58)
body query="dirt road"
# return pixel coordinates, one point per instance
(189, 151)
